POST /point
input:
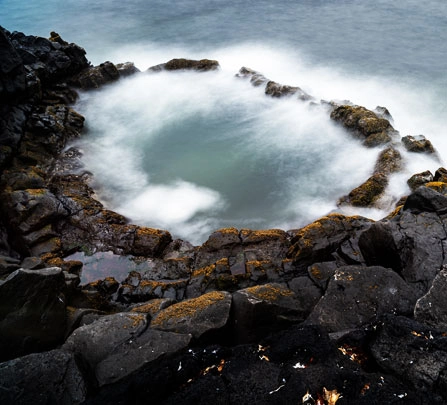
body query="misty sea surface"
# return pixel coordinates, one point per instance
(193, 152)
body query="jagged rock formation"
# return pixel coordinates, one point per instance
(344, 310)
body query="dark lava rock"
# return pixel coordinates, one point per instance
(389, 161)
(32, 311)
(51, 60)
(330, 238)
(117, 345)
(368, 193)
(44, 378)
(195, 316)
(280, 90)
(441, 175)
(412, 242)
(202, 65)
(127, 69)
(256, 78)
(259, 310)
(412, 351)
(419, 179)
(358, 295)
(425, 199)
(431, 309)
(272, 88)
(95, 77)
(364, 123)
(12, 71)
(383, 112)
(418, 144)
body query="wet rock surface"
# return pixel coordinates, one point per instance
(343, 310)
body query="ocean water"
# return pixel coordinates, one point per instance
(193, 152)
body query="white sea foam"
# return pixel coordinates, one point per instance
(191, 152)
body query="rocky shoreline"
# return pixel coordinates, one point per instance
(345, 310)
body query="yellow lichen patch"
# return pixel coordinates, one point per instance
(188, 308)
(153, 284)
(268, 292)
(226, 231)
(438, 186)
(137, 319)
(223, 262)
(395, 212)
(256, 236)
(36, 191)
(204, 271)
(144, 231)
(316, 272)
(152, 307)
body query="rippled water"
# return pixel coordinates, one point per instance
(193, 152)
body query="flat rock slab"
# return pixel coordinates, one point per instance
(42, 378)
(135, 354)
(259, 310)
(357, 295)
(96, 341)
(32, 311)
(196, 316)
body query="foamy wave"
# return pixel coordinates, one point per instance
(192, 152)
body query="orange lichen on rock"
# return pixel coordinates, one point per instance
(269, 292)
(204, 271)
(438, 186)
(151, 307)
(189, 307)
(250, 236)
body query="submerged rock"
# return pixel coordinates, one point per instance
(202, 65)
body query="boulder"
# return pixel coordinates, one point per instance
(95, 77)
(364, 123)
(34, 318)
(195, 316)
(418, 144)
(43, 378)
(367, 194)
(280, 90)
(133, 355)
(256, 78)
(425, 199)
(202, 65)
(389, 161)
(358, 295)
(259, 310)
(115, 346)
(440, 175)
(419, 179)
(330, 238)
(412, 243)
(95, 341)
(127, 69)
